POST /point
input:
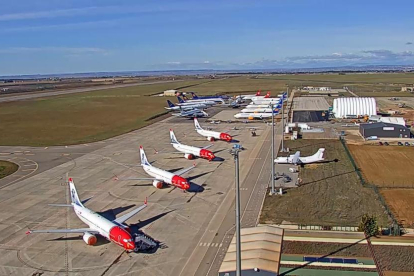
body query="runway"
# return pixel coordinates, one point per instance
(35, 95)
(185, 224)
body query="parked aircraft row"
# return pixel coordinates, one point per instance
(117, 231)
(262, 110)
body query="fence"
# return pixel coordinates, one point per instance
(395, 228)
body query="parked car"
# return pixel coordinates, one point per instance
(386, 143)
(380, 143)
(400, 144)
(407, 144)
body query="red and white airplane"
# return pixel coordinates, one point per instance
(115, 231)
(211, 135)
(159, 176)
(190, 151)
(249, 97)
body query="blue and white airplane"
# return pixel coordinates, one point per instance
(172, 106)
(192, 102)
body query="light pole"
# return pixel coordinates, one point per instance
(272, 192)
(235, 152)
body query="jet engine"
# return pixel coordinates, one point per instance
(89, 238)
(157, 184)
(189, 156)
(211, 139)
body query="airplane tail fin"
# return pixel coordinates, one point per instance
(170, 104)
(144, 160)
(197, 125)
(173, 138)
(319, 154)
(180, 100)
(258, 93)
(267, 94)
(195, 97)
(74, 194)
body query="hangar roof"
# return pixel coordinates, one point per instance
(310, 103)
(260, 248)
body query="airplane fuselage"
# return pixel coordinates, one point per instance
(214, 135)
(167, 177)
(106, 228)
(190, 150)
(253, 115)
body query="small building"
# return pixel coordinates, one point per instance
(384, 130)
(170, 93)
(260, 252)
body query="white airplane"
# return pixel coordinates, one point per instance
(252, 105)
(268, 109)
(172, 106)
(190, 151)
(192, 102)
(211, 135)
(296, 159)
(159, 176)
(249, 97)
(191, 113)
(115, 231)
(277, 100)
(217, 99)
(267, 96)
(253, 116)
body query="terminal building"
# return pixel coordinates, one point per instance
(384, 130)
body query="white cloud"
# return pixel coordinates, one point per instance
(66, 50)
(367, 57)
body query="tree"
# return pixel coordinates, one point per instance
(369, 225)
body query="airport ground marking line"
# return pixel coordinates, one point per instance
(215, 256)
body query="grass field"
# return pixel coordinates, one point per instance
(390, 166)
(7, 168)
(374, 85)
(239, 85)
(330, 194)
(81, 117)
(93, 116)
(401, 203)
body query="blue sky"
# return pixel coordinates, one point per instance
(54, 36)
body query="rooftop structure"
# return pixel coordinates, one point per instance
(260, 252)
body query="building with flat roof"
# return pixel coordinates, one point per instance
(260, 252)
(384, 130)
(310, 109)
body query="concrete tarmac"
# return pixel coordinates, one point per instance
(185, 224)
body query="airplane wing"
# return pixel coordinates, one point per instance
(295, 157)
(209, 146)
(79, 230)
(127, 216)
(183, 171)
(137, 178)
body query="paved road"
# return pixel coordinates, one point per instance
(12, 97)
(206, 258)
